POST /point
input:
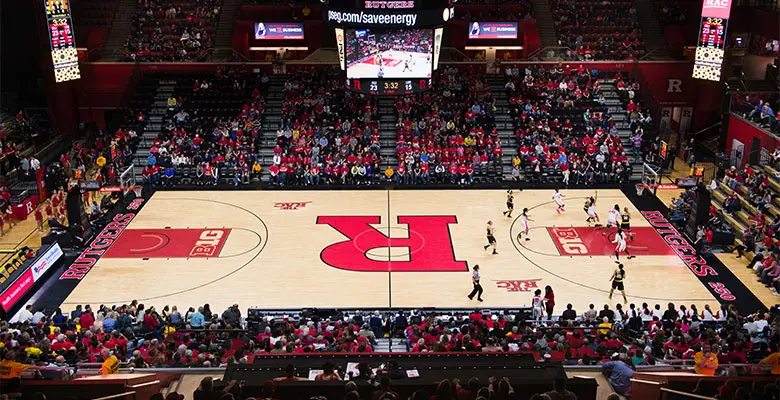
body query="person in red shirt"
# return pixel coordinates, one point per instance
(39, 219)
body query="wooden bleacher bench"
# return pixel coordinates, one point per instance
(746, 205)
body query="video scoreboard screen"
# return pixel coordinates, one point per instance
(388, 47)
(64, 55)
(711, 45)
(394, 53)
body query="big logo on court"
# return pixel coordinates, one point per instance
(427, 242)
(168, 243)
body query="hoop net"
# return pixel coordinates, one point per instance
(640, 189)
(138, 190)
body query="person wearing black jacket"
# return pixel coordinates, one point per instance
(569, 314)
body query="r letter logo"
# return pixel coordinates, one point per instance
(429, 245)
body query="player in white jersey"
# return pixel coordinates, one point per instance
(590, 209)
(620, 245)
(558, 199)
(524, 228)
(612, 218)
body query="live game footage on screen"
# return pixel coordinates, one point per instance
(372, 53)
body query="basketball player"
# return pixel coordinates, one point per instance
(510, 204)
(590, 209)
(620, 245)
(381, 72)
(625, 223)
(406, 66)
(490, 231)
(524, 225)
(558, 198)
(617, 282)
(612, 218)
(477, 291)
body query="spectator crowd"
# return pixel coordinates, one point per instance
(598, 30)
(171, 30)
(563, 126)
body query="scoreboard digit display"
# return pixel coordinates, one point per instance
(389, 87)
(63, 45)
(711, 45)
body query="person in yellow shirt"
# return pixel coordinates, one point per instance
(772, 360)
(516, 160)
(11, 369)
(110, 363)
(605, 327)
(705, 362)
(306, 11)
(171, 103)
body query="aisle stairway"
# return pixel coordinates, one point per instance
(652, 31)
(157, 111)
(622, 122)
(545, 23)
(387, 132)
(223, 43)
(273, 117)
(506, 130)
(123, 21)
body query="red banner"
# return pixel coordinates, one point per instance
(168, 243)
(41, 182)
(25, 208)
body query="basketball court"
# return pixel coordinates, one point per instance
(376, 249)
(394, 61)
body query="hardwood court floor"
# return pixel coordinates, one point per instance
(276, 257)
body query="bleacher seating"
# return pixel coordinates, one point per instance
(448, 134)
(749, 201)
(327, 134)
(172, 30)
(210, 131)
(564, 131)
(94, 13)
(598, 30)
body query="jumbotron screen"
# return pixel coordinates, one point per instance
(393, 53)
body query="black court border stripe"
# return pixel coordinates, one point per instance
(745, 301)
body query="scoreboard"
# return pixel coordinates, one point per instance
(389, 87)
(711, 45)
(61, 41)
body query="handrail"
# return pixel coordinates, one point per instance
(140, 385)
(235, 53)
(696, 396)
(116, 396)
(706, 129)
(646, 382)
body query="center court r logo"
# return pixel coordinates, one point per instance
(429, 244)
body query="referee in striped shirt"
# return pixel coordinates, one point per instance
(477, 287)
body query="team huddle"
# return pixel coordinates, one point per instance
(621, 221)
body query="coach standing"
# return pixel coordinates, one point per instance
(477, 287)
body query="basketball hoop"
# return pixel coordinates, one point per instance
(138, 191)
(640, 189)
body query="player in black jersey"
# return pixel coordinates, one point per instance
(617, 282)
(625, 223)
(491, 238)
(510, 204)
